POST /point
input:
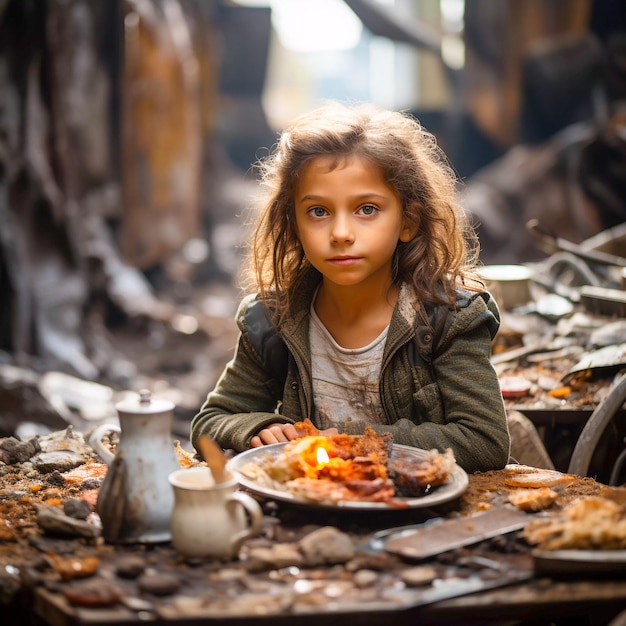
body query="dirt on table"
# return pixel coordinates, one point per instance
(489, 487)
(81, 570)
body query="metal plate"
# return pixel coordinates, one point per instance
(456, 485)
(579, 562)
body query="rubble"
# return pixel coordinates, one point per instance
(303, 561)
(53, 521)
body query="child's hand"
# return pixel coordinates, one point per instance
(278, 433)
(274, 433)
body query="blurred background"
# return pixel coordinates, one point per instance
(128, 129)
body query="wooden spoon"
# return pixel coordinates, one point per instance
(214, 457)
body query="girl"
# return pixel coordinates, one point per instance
(365, 306)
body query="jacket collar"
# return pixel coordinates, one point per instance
(401, 327)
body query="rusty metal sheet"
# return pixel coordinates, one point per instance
(162, 134)
(430, 539)
(608, 357)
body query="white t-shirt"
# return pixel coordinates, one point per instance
(346, 382)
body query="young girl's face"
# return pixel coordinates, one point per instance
(349, 221)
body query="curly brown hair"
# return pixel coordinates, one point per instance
(442, 254)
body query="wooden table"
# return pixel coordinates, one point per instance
(540, 602)
(533, 599)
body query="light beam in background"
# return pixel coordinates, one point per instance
(313, 25)
(452, 45)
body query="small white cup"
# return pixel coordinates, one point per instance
(211, 520)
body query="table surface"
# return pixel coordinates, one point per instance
(517, 593)
(542, 601)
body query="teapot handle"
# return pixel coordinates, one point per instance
(95, 441)
(253, 508)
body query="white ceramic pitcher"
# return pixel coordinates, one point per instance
(211, 520)
(135, 500)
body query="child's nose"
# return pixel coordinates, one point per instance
(342, 230)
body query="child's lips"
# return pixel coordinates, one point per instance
(344, 260)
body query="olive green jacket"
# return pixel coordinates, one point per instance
(447, 396)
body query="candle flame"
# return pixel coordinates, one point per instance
(322, 456)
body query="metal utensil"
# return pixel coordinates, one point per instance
(453, 533)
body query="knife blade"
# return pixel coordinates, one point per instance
(449, 534)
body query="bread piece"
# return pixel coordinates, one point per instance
(526, 476)
(533, 499)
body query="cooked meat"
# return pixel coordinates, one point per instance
(415, 477)
(356, 468)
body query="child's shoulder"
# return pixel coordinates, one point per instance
(262, 336)
(474, 308)
(252, 315)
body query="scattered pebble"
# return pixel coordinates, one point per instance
(158, 583)
(53, 521)
(54, 545)
(60, 460)
(130, 566)
(55, 478)
(137, 604)
(13, 450)
(227, 575)
(418, 576)
(326, 545)
(275, 557)
(76, 508)
(365, 578)
(93, 592)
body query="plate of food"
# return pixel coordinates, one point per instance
(587, 536)
(350, 471)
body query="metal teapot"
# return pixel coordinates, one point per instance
(135, 500)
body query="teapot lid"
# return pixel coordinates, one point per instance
(143, 403)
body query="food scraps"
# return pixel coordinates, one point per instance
(588, 523)
(349, 468)
(527, 476)
(535, 499)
